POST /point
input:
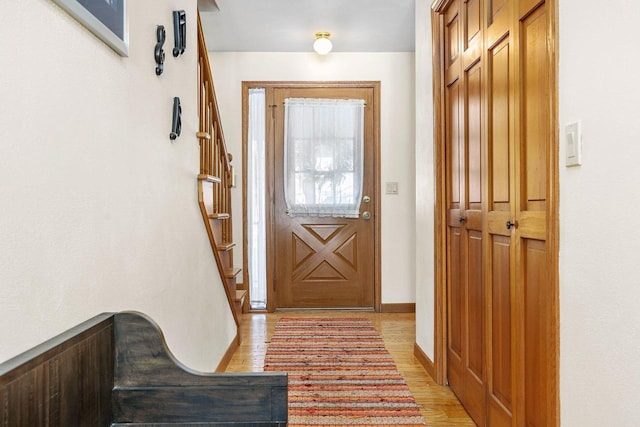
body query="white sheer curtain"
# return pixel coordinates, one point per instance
(323, 156)
(256, 200)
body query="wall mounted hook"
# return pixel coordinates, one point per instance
(179, 32)
(158, 52)
(176, 122)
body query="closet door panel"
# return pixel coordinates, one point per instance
(456, 297)
(473, 20)
(495, 6)
(474, 137)
(473, 222)
(535, 111)
(474, 361)
(476, 306)
(535, 289)
(499, 129)
(498, 21)
(454, 148)
(534, 255)
(452, 43)
(455, 320)
(500, 251)
(500, 362)
(452, 35)
(453, 145)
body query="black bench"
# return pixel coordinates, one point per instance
(116, 370)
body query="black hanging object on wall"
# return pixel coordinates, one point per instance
(179, 32)
(176, 123)
(158, 52)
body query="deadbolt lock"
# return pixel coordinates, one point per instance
(366, 199)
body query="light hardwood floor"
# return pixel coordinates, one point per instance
(438, 404)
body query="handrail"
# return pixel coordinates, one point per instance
(215, 168)
(206, 76)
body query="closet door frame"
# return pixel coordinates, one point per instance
(440, 220)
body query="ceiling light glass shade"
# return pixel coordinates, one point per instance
(322, 45)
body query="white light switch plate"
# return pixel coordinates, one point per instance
(392, 188)
(573, 138)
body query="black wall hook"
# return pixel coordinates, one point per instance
(158, 52)
(179, 32)
(176, 123)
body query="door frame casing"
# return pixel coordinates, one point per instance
(440, 223)
(270, 86)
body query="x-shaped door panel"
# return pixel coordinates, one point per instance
(323, 252)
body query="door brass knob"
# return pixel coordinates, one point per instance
(366, 215)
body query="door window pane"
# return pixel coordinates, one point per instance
(256, 221)
(323, 144)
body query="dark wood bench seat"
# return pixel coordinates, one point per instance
(116, 370)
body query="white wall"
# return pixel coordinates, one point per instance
(599, 240)
(98, 208)
(395, 71)
(425, 185)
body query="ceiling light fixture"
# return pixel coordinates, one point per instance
(322, 45)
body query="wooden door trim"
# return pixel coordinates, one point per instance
(552, 237)
(553, 214)
(270, 86)
(440, 214)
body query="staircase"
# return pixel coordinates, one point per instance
(214, 182)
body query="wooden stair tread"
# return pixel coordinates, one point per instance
(225, 246)
(240, 294)
(219, 215)
(232, 272)
(208, 178)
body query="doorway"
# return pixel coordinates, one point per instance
(328, 258)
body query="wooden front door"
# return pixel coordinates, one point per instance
(500, 151)
(324, 262)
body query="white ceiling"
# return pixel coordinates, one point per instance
(290, 25)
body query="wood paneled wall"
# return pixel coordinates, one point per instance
(66, 381)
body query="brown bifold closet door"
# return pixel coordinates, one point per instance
(498, 102)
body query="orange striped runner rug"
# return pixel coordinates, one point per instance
(340, 373)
